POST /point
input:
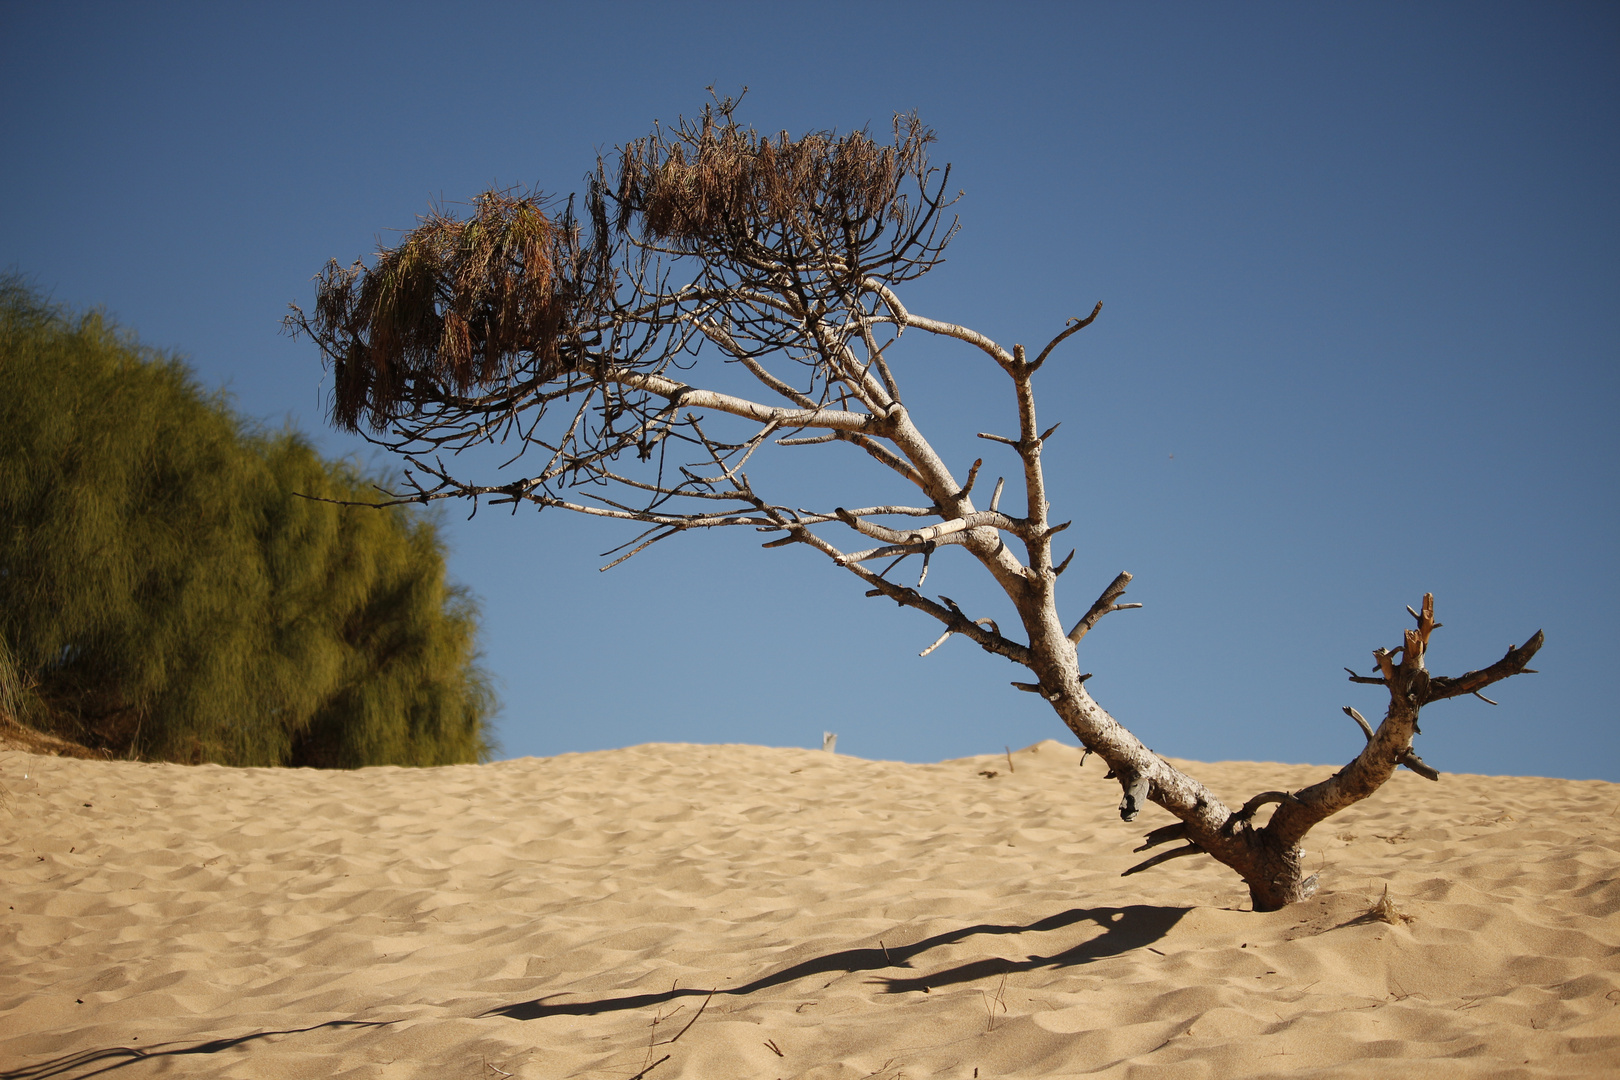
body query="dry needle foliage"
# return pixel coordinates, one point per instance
(452, 307)
(710, 180)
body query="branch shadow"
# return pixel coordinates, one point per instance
(1123, 929)
(116, 1057)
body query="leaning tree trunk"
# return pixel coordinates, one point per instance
(1268, 858)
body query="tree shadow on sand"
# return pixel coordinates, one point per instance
(1123, 929)
(116, 1057)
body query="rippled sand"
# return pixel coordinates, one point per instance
(570, 917)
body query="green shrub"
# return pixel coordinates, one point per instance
(165, 594)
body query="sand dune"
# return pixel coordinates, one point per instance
(570, 916)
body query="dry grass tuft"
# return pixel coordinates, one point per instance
(1386, 911)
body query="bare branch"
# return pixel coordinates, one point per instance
(869, 554)
(988, 623)
(1417, 765)
(1075, 325)
(638, 549)
(937, 642)
(1514, 663)
(941, 532)
(933, 326)
(791, 538)
(1254, 804)
(1103, 605)
(1361, 722)
(973, 474)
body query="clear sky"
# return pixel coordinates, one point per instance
(1361, 269)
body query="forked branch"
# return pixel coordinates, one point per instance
(1410, 687)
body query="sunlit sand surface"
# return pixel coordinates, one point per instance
(717, 912)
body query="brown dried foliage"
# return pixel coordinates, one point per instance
(453, 306)
(461, 312)
(715, 180)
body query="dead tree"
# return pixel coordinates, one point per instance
(570, 341)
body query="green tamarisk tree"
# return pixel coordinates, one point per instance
(167, 593)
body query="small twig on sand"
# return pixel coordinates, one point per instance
(694, 1019)
(650, 1068)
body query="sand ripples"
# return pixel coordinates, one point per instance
(567, 917)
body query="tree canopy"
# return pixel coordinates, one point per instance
(167, 593)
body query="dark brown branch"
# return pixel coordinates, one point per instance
(782, 542)
(1410, 686)
(1514, 663)
(1254, 804)
(1417, 765)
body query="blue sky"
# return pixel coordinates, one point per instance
(1361, 270)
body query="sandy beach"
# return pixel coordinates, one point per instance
(687, 911)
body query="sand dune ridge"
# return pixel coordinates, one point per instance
(788, 913)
